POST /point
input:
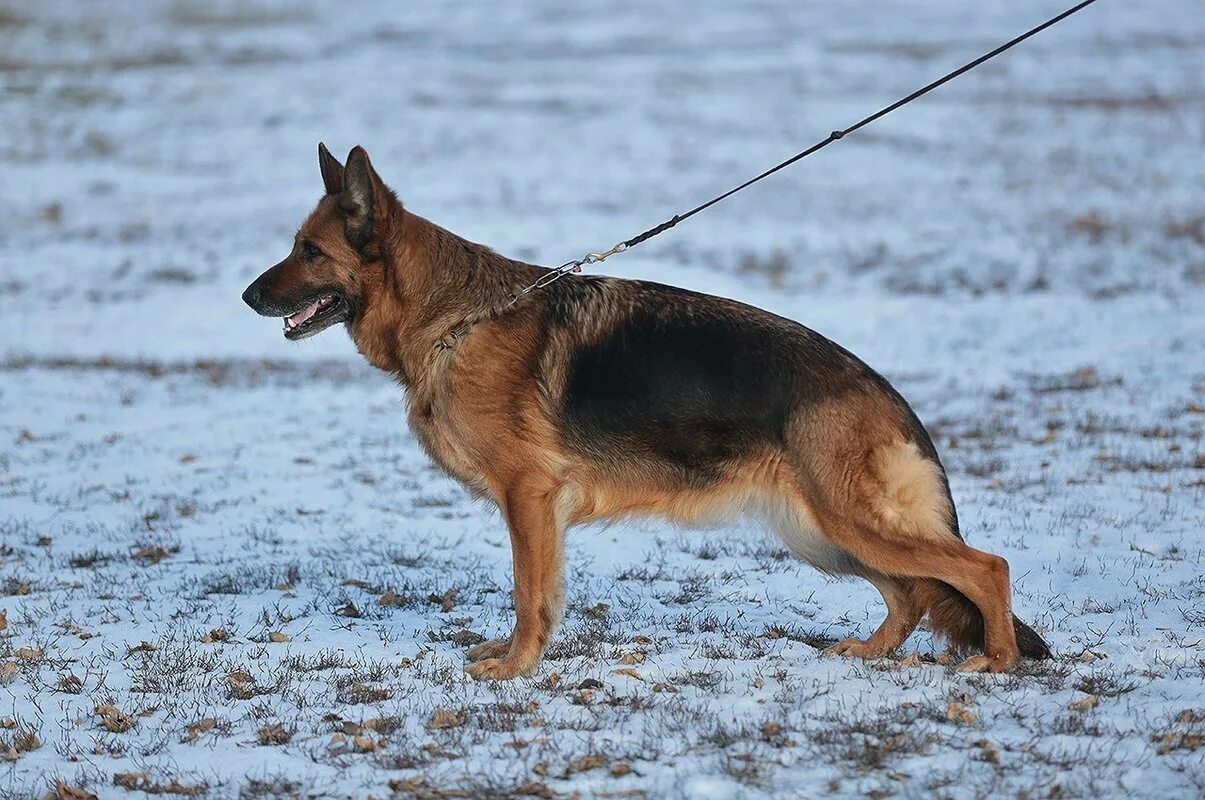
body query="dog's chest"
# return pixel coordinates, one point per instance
(433, 422)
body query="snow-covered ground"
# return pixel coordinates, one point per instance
(229, 571)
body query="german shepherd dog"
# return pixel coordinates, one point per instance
(596, 398)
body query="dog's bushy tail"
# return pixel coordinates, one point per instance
(957, 619)
(1030, 643)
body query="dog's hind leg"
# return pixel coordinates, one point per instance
(979, 576)
(883, 503)
(801, 533)
(903, 615)
(537, 547)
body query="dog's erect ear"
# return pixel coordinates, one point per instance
(332, 170)
(361, 193)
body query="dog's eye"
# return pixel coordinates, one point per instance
(310, 251)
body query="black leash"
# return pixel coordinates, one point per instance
(835, 135)
(591, 258)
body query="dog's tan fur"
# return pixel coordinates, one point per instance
(910, 497)
(846, 486)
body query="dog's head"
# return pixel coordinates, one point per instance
(336, 263)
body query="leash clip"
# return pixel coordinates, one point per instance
(594, 258)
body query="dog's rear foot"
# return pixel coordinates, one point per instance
(855, 648)
(494, 648)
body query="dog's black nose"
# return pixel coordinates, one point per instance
(252, 296)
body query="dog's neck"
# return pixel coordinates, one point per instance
(433, 281)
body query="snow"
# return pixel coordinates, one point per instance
(1021, 252)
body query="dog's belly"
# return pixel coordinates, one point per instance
(787, 517)
(771, 501)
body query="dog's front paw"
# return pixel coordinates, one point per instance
(494, 648)
(855, 648)
(498, 669)
(987, 664)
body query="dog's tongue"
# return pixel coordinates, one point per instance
(304, 314)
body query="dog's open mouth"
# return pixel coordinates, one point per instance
(316, 316)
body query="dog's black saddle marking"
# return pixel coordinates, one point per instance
(682, 382)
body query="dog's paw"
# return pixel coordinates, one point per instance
(987, 664)
(494, 648)
(497, 669)
(855, 648)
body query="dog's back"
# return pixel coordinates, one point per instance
(690, 386)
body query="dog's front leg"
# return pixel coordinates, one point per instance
(536, 544)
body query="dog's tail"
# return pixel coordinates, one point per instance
(957, 619)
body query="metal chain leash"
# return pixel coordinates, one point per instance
(448, 340)
(554, 275)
